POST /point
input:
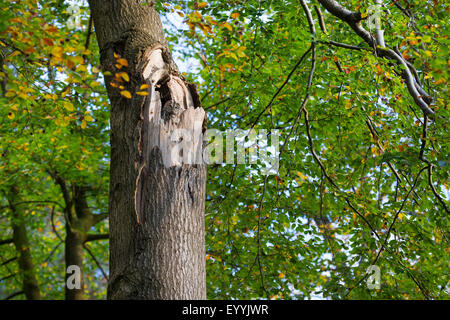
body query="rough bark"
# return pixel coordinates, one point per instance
(22, 244)
(156, 200)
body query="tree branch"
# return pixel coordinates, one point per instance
(9, 276)
(14, 295)
(320, 17)
(96, 262)
(94, 237)
(99, 217)
(430, 182)
(8, 261)
(343, 45)
(281, 87)
(430, 165)
(383, 245)
(6, 241)
(52, 215)
(353, 19)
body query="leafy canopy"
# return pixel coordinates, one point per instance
(362, 178)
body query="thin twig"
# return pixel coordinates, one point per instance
(261, 274)
(281, 87)
(14, 295)
(96, 261)
(383, 246)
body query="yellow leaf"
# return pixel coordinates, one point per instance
(15, 53)
(15, 20)
(235, 15)
(57, 51)
(281, 275)
(47, 42)
(88, 118)
(375, 151)
(125, 76)
(10, 93)
(78, 60)
(81, 68)
(142, 93)
(348, 104)
(11, 116)
(65, 92)
(197, 15)
(227, 25)
(83, 124)
(68, 105)
(240, 51)
(144, 86)
(116, 55)
(95, 70)
(52, 29)
(123, 62)
(22, 95)
(29, 50)
(202, 5)
(126, 94)
(301, 175)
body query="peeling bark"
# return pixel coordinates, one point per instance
(156, 199)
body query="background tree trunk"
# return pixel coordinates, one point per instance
(79, 220)
(156, 207)
(22, 244)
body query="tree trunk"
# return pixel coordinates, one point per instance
(74, 257)
(79, 220)
(22, 244)
(157, 201)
